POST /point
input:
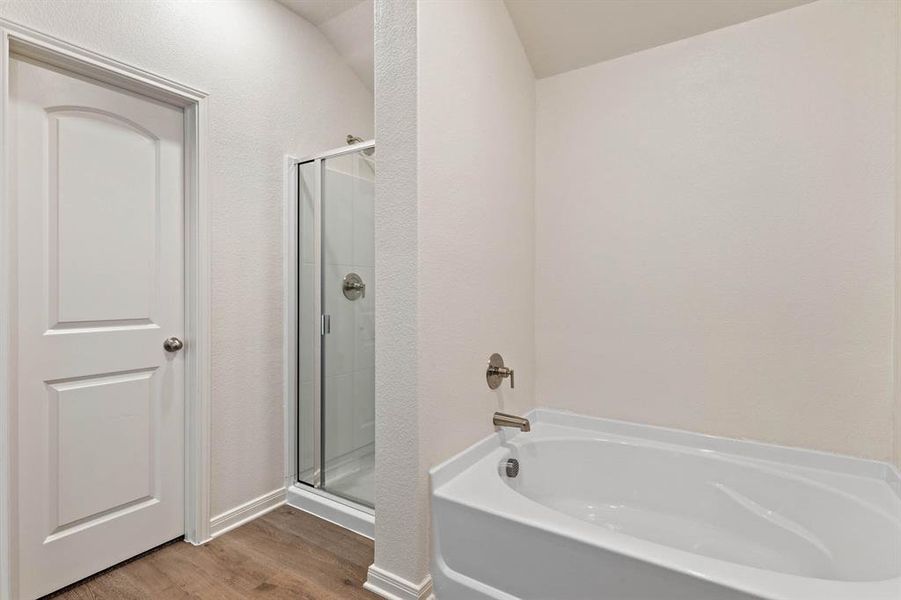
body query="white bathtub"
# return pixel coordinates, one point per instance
(610, 510)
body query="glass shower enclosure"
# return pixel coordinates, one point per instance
(336, 323)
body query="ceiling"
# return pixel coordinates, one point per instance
(561, 35)
(348, 25)
(351, 32)
(319, 11)
(558, 35)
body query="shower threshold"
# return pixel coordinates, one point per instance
(340, 511)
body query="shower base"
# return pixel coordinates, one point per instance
(350, 515)
(357, 484)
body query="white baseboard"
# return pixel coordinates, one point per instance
(246, 512)
(388, 585)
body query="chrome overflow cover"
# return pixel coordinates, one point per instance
(509, 468)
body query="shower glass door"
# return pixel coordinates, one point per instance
(337, 404)
(348, 298)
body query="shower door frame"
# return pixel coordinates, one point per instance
(292, 238)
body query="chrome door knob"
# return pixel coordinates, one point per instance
(173, 344)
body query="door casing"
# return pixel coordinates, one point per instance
(24, 41)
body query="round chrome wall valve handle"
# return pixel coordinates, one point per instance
(173, 344)
(497, 372)
(353, 286)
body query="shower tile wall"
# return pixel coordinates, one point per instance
(349, 375)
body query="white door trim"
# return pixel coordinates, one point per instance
(896, 334)
(27, 42)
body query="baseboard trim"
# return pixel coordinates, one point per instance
(390, 586)
(246, 512)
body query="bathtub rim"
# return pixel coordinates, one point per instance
(740, 448)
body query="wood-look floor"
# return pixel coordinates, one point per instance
(283, 554)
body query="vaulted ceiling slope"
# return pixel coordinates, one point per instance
(558, 35)
(348, 25)
(561, 35)
(318, 12)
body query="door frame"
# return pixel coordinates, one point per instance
(27, 42)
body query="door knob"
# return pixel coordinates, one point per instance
(173, 344)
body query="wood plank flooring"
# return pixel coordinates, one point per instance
(283, 554)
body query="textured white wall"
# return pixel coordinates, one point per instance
(715, 231)
(402, 520)
(456, 265)
(476, 200)
(276, 87)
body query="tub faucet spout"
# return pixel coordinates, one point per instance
(505, 420)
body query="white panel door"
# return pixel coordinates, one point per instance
(98, 186)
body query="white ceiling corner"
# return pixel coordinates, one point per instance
(561, 35)
(348, 25)
(319, 11)
(558, 35)
(352, 33)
